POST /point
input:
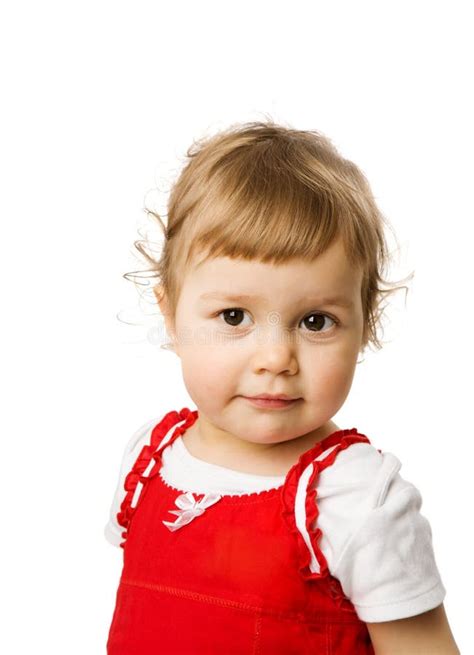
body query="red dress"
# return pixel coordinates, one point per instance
(231, 575)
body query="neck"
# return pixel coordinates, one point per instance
(205, 441)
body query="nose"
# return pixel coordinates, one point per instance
(275, 351)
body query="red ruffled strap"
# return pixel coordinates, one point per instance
(342, 439)
(148, 453)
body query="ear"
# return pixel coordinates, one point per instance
(363, 343)
(163, 304)
(159, 294)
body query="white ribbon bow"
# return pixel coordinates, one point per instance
(190, 508)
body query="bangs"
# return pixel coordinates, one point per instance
(259, 203)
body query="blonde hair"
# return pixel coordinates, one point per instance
(264, 191)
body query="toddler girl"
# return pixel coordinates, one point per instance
(253, 523)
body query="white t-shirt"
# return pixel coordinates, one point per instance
(374, 538)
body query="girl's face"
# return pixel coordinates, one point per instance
(244, 328)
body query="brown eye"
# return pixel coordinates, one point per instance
(315, 322)
(232, 316)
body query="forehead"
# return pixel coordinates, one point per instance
(329, 274)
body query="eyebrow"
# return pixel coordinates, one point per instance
(336, 301)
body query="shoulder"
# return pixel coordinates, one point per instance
(378, 542)
(363, 473)
(357, 481)
(139, 438)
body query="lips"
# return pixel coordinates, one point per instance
(272, 402)
(267, 396)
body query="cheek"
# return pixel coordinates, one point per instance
(330, 371)
(209, 372)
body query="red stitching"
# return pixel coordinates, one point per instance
(319, 617)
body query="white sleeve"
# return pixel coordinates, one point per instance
(387, 566)
(113, 531)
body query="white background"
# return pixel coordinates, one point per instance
(99, 102)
